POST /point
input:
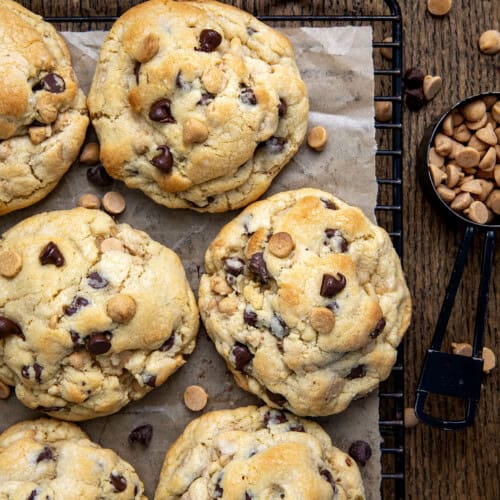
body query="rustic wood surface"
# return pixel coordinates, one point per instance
(439, 465)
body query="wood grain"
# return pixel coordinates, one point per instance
(439, 465)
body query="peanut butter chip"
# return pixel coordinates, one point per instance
(148, 47)
(10, 263)
(468, 157)
(228, 305)
(387, 51)
(461, 348)
(439, 7)
(39, 134)
(213, 80)
(194, 131)
(89, 200)
(121, 308)
(111, 245)
(489, 359)
(487, 135)
(477, 212)
(90, 154)
(317, 137)
(281, 244)
(478, 124)
(488, 161)
(54, 319)
(4, 391)
(435, 158)
(453, 175)
(474, 111)
(446, 193)
(195, 398)
(461, 202)
(410, 418)
(383, 111)
(220, 286)
(322, 319)
(489, 42)
(113, 203)
(437, 175)
(493, 201)
(432, 85)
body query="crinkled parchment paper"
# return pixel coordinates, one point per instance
(336, 64)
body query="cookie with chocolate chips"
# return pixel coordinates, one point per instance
(93, 314)
(43, 114)
(198, 104)
(44, 459)
(319, 303)
(256, 453)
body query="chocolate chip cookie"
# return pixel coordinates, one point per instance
(257, 453)
(49, 459)
(305, 300)
(93, 314)
(198, 104)
(43, 115)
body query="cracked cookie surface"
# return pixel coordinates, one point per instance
(198, 104)
(93, 314)
(257, 453)
(49, 459)
(305, 300)
(43, 114)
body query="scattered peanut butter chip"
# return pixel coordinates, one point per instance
(194, 131)
(490, 360)
(111, 244)
(89, 200)
(113, 203)
(317, 137)
(468, 157)
(54, 319)
(477, 212)
(4, 391)
(437, 175)
(281, 244)
(11, 263)
(383, 111)
(195, 398)
(148, 47)
(489, 42)
(121, 308)
(322, 319)
(432, 85)
(410, 418)
(90, 154)
(387, 51)
(461, 348)
(228, 305)
(439, 7)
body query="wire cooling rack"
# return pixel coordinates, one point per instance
(385, 18)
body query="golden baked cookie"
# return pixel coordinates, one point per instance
(48, 459)
(257, 453)
(43, 115)
(93, 314)
(198, 104)
(305, 300)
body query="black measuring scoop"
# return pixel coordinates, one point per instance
(442, 373)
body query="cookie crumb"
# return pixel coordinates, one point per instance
(195, 398)
(113, 203)
(317, 137)
(89, 200)
(11, 264)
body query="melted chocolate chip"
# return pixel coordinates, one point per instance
(38, 372)
(45, 454)
(52, 83)
(282, 108)
(258, 265)
(49, 409)
(160, 112)
(97, 175)
(137, 70)
(234, 265)
(206, 98)
(333, 306)
(25, 371)
(328, 204)
(327, 476)
(149, 380)
(379, 327)
(141, 435)
(242, 356)
(75, 337)
(9, 327)
(248, 496)
(276, 398)
(167, 345)
(76, 304)
(251, 31)
(274, 145)
(51, 255)
(209, 40)
(180, 83)
(331, 286)
(297, 428)
(163, 161)
(98, 342)
(357, 372)
(413, 78)
(247, 96)
(218, 490)
(118, 481)
(339, 238)
(415, 99)
(274, 417)
(249, 316)
(33, 495)
(360, 451)
(136, 490)
(278, 326)
(95, 280)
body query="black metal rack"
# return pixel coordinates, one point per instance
(389, 179)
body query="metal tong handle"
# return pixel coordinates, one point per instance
(451, 374)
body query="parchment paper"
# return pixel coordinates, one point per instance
(336, 64)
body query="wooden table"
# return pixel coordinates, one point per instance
(439, 465)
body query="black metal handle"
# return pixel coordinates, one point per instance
(451, 374)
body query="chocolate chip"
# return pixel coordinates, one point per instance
(141, 435)
(149, 380)
(98, 342)
(51, 83)
(242, 356)
(339, 239)
(160, 112)
(164, 161)
(95, 280)
(38, 372)
(297, 428)
(282, 108)
(49, 409)
(276, 398)
(249, 316)
(333, 306)
(76, 304)
(360, 451)
(247, 96)
(274, 145)
(327, 476)
(251, 31)
(25, 371)
(33, 495)
(258, 265)
(248, 496)
(357, 372)
(136, 490)
(328, 204)
(206, 98)
(378, 328)
(180, 83)
(97, 175)
(9, 327)
(331, 286)
(209, 40)
(218, 490)
(118, 481)
(45, 454)
(137, 70)
(167, 345)
(278, 327)
(415, 99)
(413, 78)
(274, 417)
(75, 337)
(234, 265)
(51, 255)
